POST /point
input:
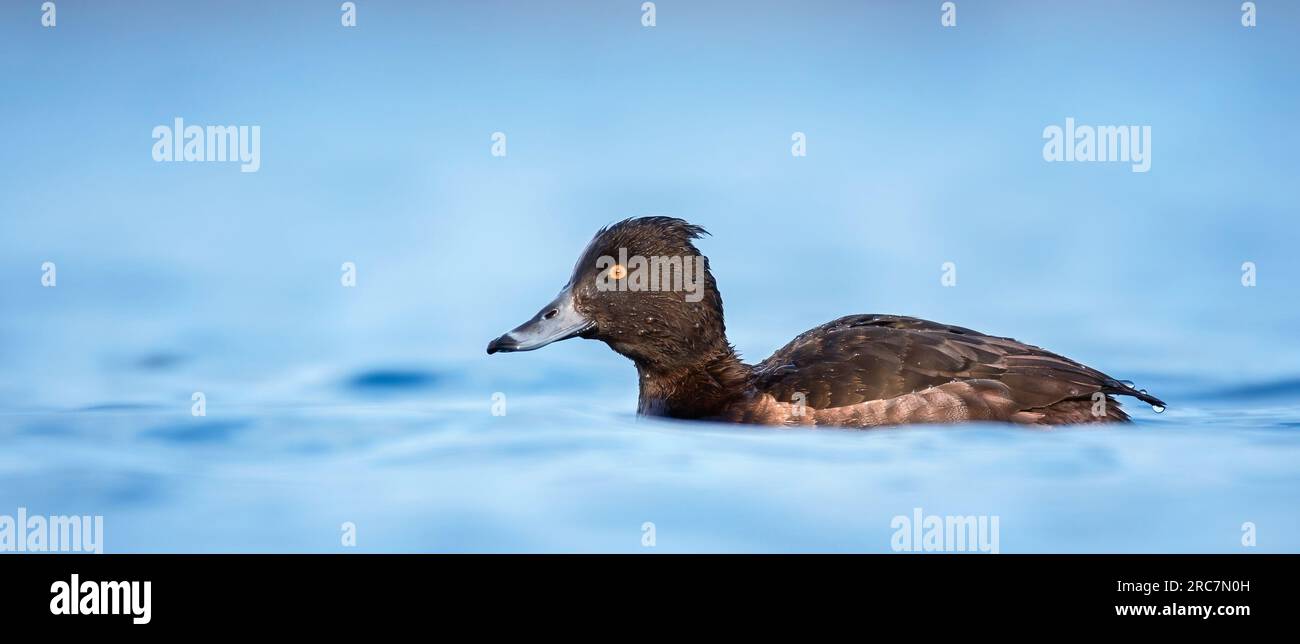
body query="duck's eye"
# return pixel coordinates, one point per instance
(618, 271)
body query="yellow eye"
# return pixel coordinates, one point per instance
(617, 272)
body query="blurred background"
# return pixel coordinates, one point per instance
(372, 404)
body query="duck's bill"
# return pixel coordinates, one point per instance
(559, 320)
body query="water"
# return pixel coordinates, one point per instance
(417, 462)
(373, 405)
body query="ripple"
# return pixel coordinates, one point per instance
(391, 380)
(1284, 388)
(119, 406)
(200, 430)
(160, 361)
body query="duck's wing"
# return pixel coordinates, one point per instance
(863, 358)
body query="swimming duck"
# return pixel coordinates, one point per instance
(857, 371)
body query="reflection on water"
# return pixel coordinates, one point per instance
(427, 467)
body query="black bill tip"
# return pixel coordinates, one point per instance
(503, 343)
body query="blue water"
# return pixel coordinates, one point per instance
(373, 405)
(418, 463)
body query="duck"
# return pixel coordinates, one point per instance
(859, 371)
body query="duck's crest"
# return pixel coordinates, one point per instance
(665, 225)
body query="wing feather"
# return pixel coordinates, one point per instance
(862, 358)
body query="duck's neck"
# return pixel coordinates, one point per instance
(698, 389)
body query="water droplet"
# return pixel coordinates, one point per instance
(1126, 383)
(1159, 409)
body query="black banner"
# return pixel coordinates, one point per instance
(165, 591)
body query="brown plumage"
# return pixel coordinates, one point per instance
(857, 371)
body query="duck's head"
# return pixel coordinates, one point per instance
(641, 287)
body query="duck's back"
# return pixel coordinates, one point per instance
(868, 370)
